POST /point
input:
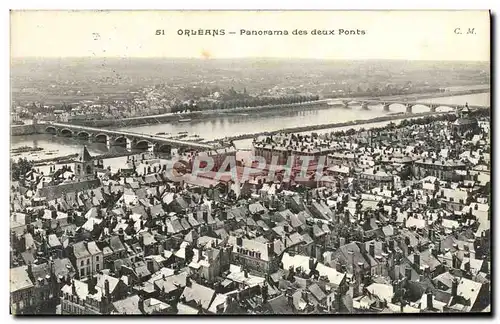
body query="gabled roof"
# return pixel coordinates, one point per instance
(19, 279)
(80, 250)
(199, 294)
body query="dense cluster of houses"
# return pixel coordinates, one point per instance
(398, 222)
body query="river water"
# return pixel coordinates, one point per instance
(237, 124)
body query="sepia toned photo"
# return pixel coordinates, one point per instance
(250, 163)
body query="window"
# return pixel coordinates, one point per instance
(88, 261)
(82, 263)
(97, 267)
(97, 259)
(82, 272)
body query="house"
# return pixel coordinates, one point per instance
(82, 259)
(22, 291)
(253, 254)
(97, 257)
(206, 263)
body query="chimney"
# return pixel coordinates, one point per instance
(454, 261)
(188, 281)
(73, 287)
(30, 270)
(200, 253)
(372, 249)
(391, 245)
(270, 248)
(210, 254)
(430, 234)
(290, 300)
(407, 241)
(121, 235)
(89, 284)
(141, 304)
(311, 264)
(384, 246)
(150, 265)
(416, 260)
(454, 287)
(429, 300)
(106, 288)
(239, 241)
(467, 266)
(205, 216)
(408, 273)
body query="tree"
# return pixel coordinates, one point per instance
(20, 168)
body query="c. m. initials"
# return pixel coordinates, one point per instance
(470, 31)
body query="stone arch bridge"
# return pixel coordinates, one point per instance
(130, 140)
(386, 104)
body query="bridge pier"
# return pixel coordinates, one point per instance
(433, 108)
(152, 147)
(409, 109)
(364, 106)
(346, 104)
(386, 107)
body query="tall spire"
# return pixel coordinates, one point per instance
(84, 155)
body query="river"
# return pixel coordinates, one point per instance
(238, 124)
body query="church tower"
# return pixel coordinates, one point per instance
(84, 165)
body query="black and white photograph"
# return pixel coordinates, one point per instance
(250, 162)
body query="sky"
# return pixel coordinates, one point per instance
(403, 35)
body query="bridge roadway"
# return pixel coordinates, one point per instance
(130, 137)
(409, 104)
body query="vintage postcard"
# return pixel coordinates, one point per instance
(250, 162)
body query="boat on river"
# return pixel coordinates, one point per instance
(24, 149)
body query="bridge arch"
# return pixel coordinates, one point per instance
(51, 130)
(101, 138)
(438, 107)
(83, 135)
(121, 141)
(66, 132)
(142, 145)
(164, 148)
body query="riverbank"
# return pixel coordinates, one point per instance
(299, 129)
(69, 158)
(195, 115)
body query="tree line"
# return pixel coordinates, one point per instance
(241, 103)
